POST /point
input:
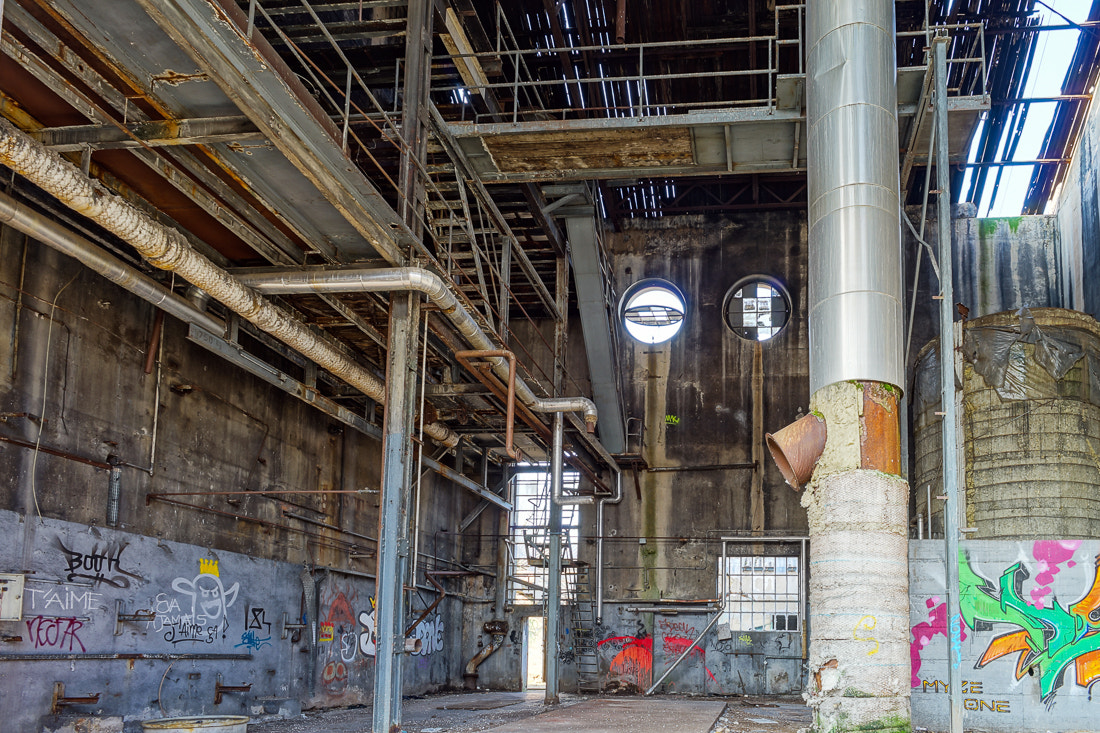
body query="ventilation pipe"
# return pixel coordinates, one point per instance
(165, 248)
(856, 503)
(49, 232)
(367, 280)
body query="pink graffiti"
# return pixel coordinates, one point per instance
(675, 646)
(1050, 554)
(924, 632)
(59, 633)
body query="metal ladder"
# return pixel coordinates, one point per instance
(584, 626)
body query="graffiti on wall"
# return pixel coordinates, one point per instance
(56, 633)
(257, 629)
(430, 633)
(203, 614)
(340, 632)
(631, 657)
(367, 636)
(1049, 639)
(632, 663)
(1044, 637)
(102, 565)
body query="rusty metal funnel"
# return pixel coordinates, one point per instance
(797, 447)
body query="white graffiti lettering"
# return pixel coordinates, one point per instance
(65, 598)
(430, 633)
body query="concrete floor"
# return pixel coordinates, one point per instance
(524, 712)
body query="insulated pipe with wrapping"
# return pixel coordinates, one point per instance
(367, 280)
(167, 249)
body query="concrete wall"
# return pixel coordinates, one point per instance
(1044, 593)
(1077, 207)
(72, 381)
(694, 396)
(999, 265)
(204, 617)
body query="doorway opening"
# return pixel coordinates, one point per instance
(534, 652)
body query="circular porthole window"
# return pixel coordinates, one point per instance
(757, 308)
(653, 310)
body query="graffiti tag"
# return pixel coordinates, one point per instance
(866, 625)
(1048, 640)
(103, 565)
(56, 633)
(65, 598)
(430, 633)
(251, 640)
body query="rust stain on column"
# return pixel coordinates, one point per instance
(879, 436)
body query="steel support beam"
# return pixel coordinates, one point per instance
(553, 565)
(151, 133)
(252, 75)
(947, 386)
(393, 535)
(596, 325)
(414, 114)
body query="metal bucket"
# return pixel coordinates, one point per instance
(199, 724)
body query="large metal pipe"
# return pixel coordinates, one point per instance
(855, 289)
(167, 249)
(49, 232)
(366, 280)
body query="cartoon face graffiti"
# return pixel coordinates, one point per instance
(210, 600)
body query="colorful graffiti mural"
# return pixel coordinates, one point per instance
(1050, 637)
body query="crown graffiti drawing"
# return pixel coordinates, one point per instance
(208, 567)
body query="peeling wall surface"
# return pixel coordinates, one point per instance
(1031, 635)
(220, 573)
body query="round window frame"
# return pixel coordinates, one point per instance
(645, 284)
(771, 282)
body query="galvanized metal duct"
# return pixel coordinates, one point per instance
(167, 249)
(49, 232)
(855, 287)
(366, 280)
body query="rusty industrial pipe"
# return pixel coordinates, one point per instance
(464, 358)
(797, 447)
(431, 607)
(497, 629)
(620, 22)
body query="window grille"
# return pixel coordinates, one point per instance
(763, 593)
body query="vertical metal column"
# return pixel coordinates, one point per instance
(553, 563)
(414, 112)
(947, 384)
(393, 534)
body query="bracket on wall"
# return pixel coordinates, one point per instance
(137, 617)
(60, 701)
(288, 627)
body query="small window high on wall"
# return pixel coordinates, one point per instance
(757, 308)
(653, 310)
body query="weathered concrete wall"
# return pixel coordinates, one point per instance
(635, 649)
(72, 364)
(1077, 207)
(998, 265)
(694, 396)
(1032, 635)
(204, 617)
